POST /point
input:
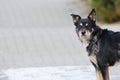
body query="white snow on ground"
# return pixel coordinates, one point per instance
(52, 73)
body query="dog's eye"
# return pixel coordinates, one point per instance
(81, 24)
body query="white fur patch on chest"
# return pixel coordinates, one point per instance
(85, 44)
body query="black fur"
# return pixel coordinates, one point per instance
(103, 44)
(108, 46)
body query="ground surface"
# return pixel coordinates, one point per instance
(40, 33)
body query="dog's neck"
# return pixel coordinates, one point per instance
(85, 43)
(94, 37)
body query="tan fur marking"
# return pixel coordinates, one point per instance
(74, 20)
(107, 74)
(93, 17)
(98, 72)
(86, 24)
(81, 24)
(77, 18)
(84, 38)
(99, 75)
(93, 59)
(90, 16)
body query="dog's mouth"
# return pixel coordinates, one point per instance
(84, 36)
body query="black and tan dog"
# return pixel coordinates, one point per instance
(102, 45)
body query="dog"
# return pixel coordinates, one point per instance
(102, 45)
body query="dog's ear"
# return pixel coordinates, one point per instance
(76, 18)
(92, 15)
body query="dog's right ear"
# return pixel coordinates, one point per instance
(76, 18)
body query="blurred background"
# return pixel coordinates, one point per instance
(40, 33)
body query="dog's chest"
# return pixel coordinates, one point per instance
(92, 48)
(85, 44)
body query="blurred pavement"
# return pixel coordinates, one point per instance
(39, 33)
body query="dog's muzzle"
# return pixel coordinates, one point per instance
(83, 31)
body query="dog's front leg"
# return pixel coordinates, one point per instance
(98, 74)
(105, 72)
(95, 64)
(102, 72)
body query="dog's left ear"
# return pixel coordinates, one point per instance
(92, 15)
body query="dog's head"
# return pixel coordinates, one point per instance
(85, 26)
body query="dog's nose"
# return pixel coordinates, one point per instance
(83, 32)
